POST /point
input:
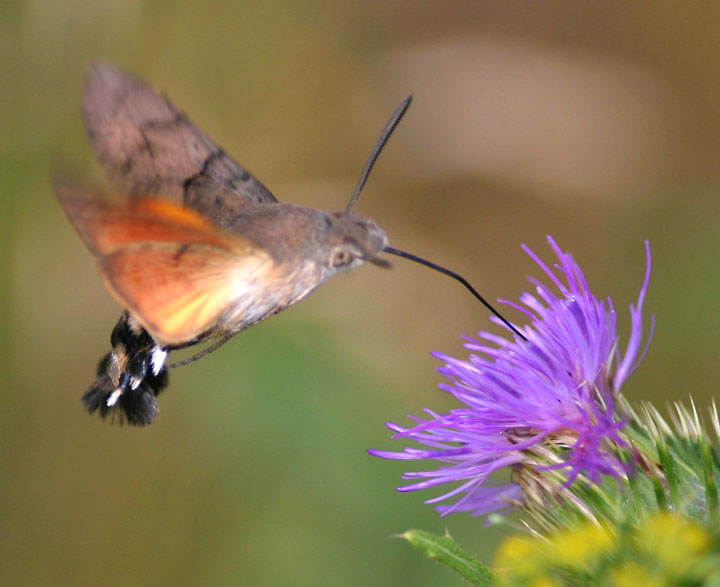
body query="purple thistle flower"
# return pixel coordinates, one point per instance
(536, 405)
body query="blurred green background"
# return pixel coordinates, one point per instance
(596, 122)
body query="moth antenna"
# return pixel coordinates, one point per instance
(384, 136)
(213, 347)
(460, 278)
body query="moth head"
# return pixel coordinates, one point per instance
(352, 240)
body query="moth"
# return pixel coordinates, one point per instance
(196, 249)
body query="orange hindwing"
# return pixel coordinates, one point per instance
(172, 269)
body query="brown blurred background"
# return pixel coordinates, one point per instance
(595, 122)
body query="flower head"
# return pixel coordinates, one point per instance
(658, 548)
(534, 405)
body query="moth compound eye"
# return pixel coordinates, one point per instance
(342, 257)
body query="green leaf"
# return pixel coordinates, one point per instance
(445, 550)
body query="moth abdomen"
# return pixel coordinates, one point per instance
(129, 377)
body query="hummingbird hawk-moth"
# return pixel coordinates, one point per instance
(196, 249)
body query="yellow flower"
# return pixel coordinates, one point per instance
(529, 561)
(661, 550)
(673, 540)
(580, 548)
(634, 574)
(521, 554)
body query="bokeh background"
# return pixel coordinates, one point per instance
(596, 122)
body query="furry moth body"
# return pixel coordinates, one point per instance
(198, 249)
